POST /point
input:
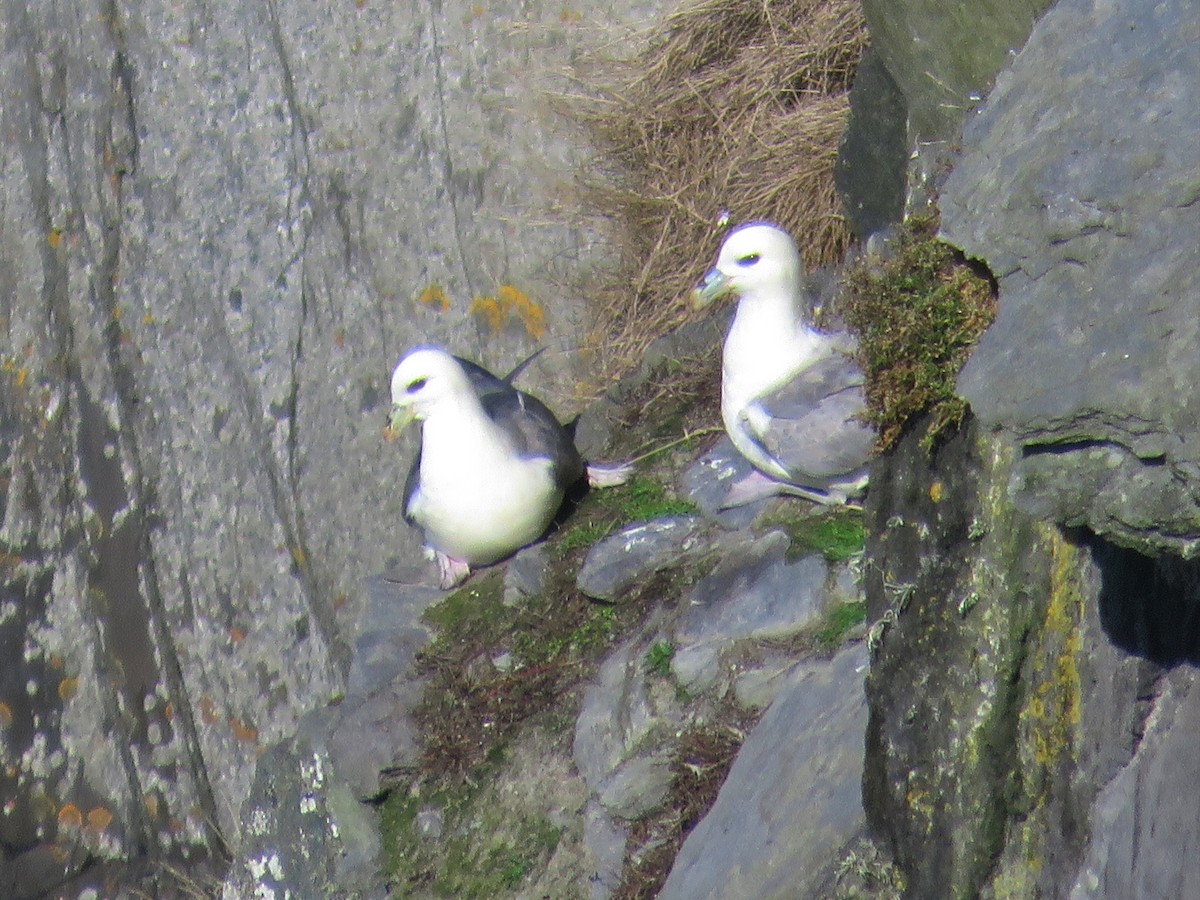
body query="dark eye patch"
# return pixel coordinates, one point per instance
(414, 386)
(748, 260)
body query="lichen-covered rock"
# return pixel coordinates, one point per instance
(1077, 186)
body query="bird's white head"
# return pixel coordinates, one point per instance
(425, 380)
(755, 259)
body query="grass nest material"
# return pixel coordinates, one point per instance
(733, 111)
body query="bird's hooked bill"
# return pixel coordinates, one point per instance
(402, 416)
(715, 284)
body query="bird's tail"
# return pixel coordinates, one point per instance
(608, 475)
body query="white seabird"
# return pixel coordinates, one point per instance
(493, 466)
(791, 396)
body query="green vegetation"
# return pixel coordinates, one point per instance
(603, 512)
(658, 658)
(917, 318)
(836, 532)
(840, 621)
(484, 848)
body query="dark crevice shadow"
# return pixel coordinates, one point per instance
(1149, 605)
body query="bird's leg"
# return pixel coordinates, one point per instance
(608, 476)
(453, 571)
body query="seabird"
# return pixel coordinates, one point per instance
(493, 466)
(791, 396)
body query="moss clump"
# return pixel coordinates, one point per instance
(917, 318)
(837, 533)
(840, 621)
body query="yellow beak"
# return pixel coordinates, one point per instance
(402, 417)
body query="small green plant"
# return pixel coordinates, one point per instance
(840, 621)
(658, 658)
(917, 318)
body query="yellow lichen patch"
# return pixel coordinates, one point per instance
(488, 309)
(98, 818)
(150, 801)
(68, 688)
(70, 816)
(1054, 709)
(532, 316)
(55, 238)
(936, 490)
(298, 555)
(22, 377)
(434, 296)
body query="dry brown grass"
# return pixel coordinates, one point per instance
(735, 106)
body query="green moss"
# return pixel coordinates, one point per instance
(472, 609)
(484, 850)
(917, 318)
(604, 511)
(840, 621)
(837, 533)
(658, 658)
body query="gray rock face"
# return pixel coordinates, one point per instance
(1077, 186)
(1145, 840)
(793, 797)
(224, 223)
(943, 57)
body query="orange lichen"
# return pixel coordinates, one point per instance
(6, 714)
(54, 238)
(236, 635)
(208, 711)
(68, 688)
(489, 310)
(98, 818)
(242, 731)
(532, 316)
(70, 816)
(435, 296)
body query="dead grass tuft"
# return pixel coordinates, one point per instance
(702, 761)
(734, 107)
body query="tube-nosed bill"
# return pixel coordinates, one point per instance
(715, 284)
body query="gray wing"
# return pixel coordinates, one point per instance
(534, 431)
(412, 484)
(812, 425)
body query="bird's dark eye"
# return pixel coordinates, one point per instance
(748, 260)
(414, 386)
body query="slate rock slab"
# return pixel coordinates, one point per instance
(793, 797)
(619, 561)
(1078, 187)
(1145, 824)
